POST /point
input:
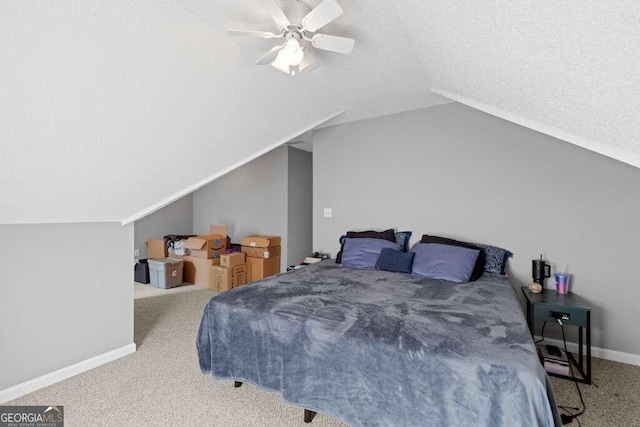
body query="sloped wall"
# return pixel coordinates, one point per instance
(454, 171)
(111, 110)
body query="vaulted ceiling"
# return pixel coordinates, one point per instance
(112, 109)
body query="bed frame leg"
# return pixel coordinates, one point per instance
(237, 383)
(308, 415)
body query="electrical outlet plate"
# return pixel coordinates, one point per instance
(328, 212)
(136, 253)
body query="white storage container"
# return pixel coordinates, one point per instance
(165, 272)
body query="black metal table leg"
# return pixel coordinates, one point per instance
(529, 318)
(308, 415)
(588, 377)
(580, 351)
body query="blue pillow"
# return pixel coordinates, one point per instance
(436, 261)
(402, 238)
(395, 261)
(496, 258)
(364, 253)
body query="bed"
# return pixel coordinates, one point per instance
(370, 347)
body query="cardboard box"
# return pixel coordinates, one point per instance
(261, 246)
(212, 245)
(224, 279)
(207, 246)
(269, 252)
(156, 248)
(261, 241)
(198, 270)
(263, 267)
(231, 260)
(218, 229)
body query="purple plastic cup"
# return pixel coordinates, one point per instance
(562, 283)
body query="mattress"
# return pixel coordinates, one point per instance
(376, 348)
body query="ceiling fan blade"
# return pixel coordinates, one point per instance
(250, 33)
(324, 13)
(270, 56)
(272, 8)
(333, 43)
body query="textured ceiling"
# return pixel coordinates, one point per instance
(112, 109)
(572, 66)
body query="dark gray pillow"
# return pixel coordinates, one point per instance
(364, 253)
(370, 234)
(446, 262)
(395, 261)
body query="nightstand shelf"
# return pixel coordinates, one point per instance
(571, 310)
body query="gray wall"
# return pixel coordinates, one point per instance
(65, 296)
(176, 218)
(300, 214)
(454, 171)
(249, 200)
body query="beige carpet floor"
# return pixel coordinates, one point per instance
(161, 384)
(142, 290)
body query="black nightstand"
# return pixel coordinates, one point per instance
(571, 310)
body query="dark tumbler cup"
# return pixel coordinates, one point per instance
(540, 270)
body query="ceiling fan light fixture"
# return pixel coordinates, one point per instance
(291, 53)
(281, 64)
(307, 63)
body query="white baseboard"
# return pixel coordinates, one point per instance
(64, 373)
(601, 353)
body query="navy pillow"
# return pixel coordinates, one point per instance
(496, 258)
(402, 238)
(446, 262)
(395, 261)
(364, 253)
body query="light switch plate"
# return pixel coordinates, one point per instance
(328, 212)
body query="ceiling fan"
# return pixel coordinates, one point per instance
(298, 29)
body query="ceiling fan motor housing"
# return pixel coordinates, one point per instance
(292, 34)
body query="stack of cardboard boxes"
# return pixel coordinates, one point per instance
(232, 272)
(208, 263)
(204, 252)
(263, 256)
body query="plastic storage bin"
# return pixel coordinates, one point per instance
(141, 271)
(165, 272)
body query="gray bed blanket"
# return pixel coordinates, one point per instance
(378, 348)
